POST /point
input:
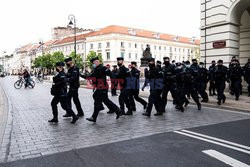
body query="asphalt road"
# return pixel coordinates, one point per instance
(161, 150)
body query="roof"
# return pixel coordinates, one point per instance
(27, 48)
(132, 32)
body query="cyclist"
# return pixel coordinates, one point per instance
(26, 77)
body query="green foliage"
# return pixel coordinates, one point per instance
(91, 55)
(77, 59)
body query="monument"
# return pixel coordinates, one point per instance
(146, 56)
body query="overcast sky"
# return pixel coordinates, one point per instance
(27, 21)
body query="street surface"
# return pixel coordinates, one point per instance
(210, 137)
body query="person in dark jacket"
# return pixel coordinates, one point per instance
(27, 77)
(100, 95)
(73, 81)
(115, 74)
(235, 74)
(211, 79)
(123, 75)
(135, 87)
(59, 91)
(202, 82)
(154, 77)
(246, 69)
(220, 77)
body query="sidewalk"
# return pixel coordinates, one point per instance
(242, 105)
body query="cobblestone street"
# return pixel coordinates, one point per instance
(28, 133)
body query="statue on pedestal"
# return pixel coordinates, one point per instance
(146, 56)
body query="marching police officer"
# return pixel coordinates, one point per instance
(115, 73)
(155, 78)
(247, 75)
(220, 77)
(123, 75)
(189, 79)
(158, 64)
(235, 74)
(73, 80)
(135, 87)
(202, 82)
(99, 79)
(211, 79)
(59, 91)
(169, 77)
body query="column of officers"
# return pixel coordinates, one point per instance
(184, 80)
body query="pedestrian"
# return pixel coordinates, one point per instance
(123, 76)
(220, 77)
(154, 77)
(235, 74)
(74, 84)
(115, 74)
(247, 75)
(211, 79)
(59, 91)
(202, 82)
(100, 95)
(135, 87)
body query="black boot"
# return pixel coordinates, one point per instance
(146, 114)
(91, 119)
(158, 114)
(75, 118)
(66, 115)
(129, 113)
(199, 106)
(54, 120)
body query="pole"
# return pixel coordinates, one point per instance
(75, 34)
(205, 61)
(85, 56)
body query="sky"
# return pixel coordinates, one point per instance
(28, 21)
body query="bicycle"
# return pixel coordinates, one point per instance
(39, 80)
(21, 81)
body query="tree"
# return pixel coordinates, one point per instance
(77, 59)
(91, 55)
(57, 57)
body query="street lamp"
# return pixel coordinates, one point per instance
(41, 44)
(72, 22)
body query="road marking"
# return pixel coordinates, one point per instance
(224, 158)
(217, 139)
(214, 142)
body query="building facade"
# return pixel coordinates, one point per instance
(115, 41)
(225, 30)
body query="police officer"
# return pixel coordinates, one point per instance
(99, 79)
(158, 64)
(247, 75)
(169, 77)
(123, 75)
(220, 77)
(211, 79)
(73, 81)
(202, 82)
(189, 79)
(235, 74)
(59, 91)
(135, 87)
(115, 73)
(154, 77)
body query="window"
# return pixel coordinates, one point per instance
(78, 47)
(129, 45)
(136, 56)
(108, 55)
(122, 44)
(183, 50)
(175, 49)
(170, 49)
(180, 50)
(99, 45)
(165, 48)
(129, 55)
(135, 45)
(142, 46)
(91, 46)
(108, 45)
(82, 46)
(159, 47)
(66, 48)
(122, 54)
(155, 47)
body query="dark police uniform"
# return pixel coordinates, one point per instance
(115, 74)
(189, 79)
(99, 79)
(169, 82)
(211, 80)
(123, 75)
(235, 74)
(202, 83)
(73, 80)
(59, 91)
(135, 87)
(220, 77)
(154, 77)
(247, 75)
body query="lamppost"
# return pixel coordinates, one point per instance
(72, 22)
(41, 44)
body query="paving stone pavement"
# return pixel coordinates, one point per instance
(28, 134)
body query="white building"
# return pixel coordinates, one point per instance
(225, 30)
(114, 41)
